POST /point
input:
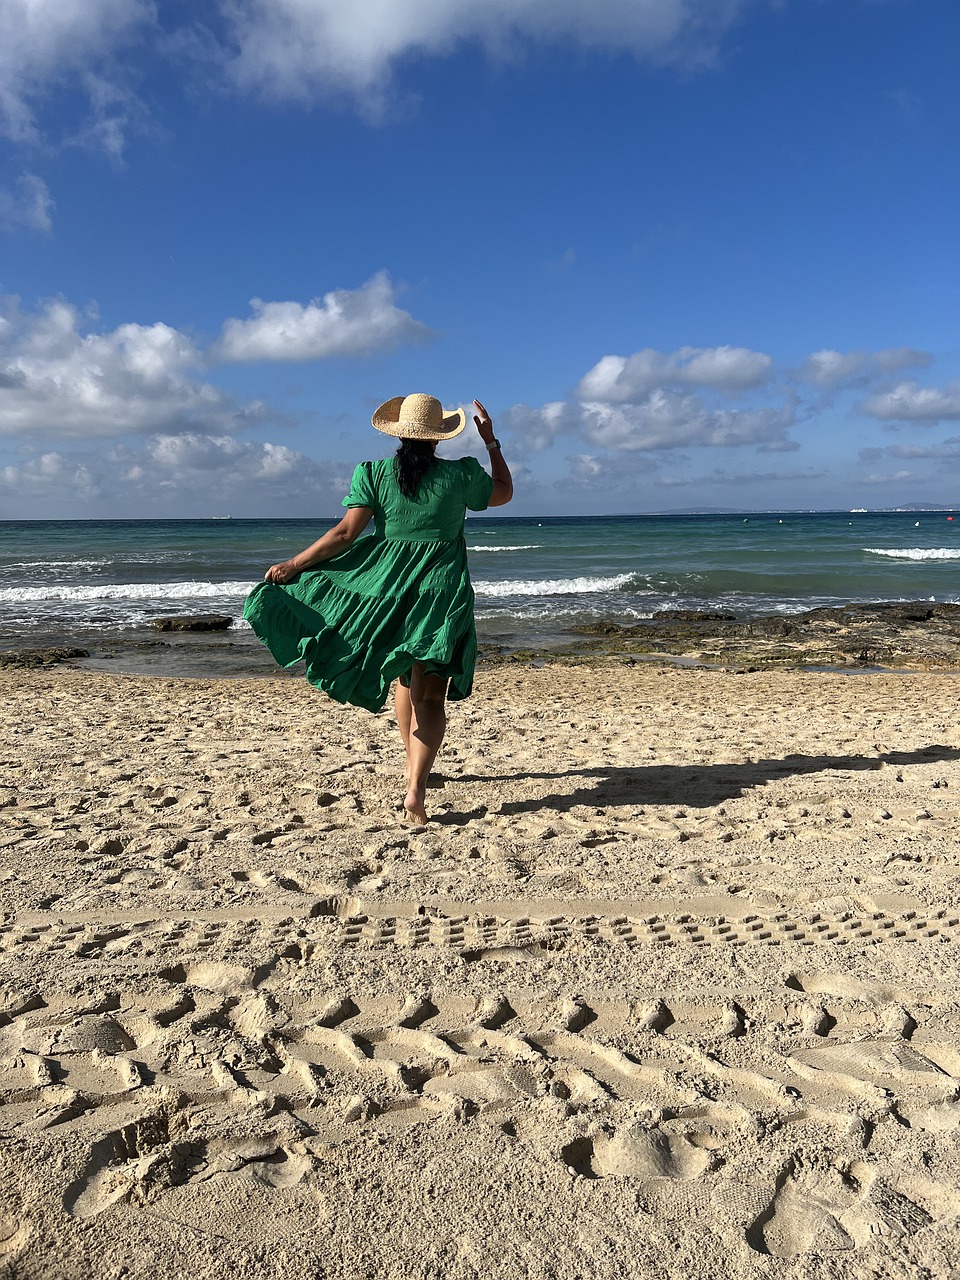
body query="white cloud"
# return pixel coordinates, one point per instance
(532, 430)
(301, 50)
(606, 472)
(835, 370)
(645, 402)
(615, 473)
(949, 448)
(198, 460)
(343, 323)
(60, 377)
(587, 466)
(56, 380)
(48, 45)
(191, 474)
(720, 477)
(48, 475)
(297, 49)
(563, 263)
(115, 111)
(665, 420)
(628, 379)
(897, 477)
(908, 402)
(654, 400)
(27, 207)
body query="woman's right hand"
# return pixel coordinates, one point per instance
(281, 573)
(484, 423)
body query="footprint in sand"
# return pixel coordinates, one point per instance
(639, 1152)
(14, 1237)
(805, 1212)
(820, 1208)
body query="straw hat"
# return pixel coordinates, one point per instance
(418, 417)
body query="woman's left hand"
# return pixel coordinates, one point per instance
(484, 423)
(281, 573)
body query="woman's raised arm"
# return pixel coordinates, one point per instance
(502, 479)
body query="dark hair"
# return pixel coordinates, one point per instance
(414, 459)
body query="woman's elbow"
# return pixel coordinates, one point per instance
(502, 493)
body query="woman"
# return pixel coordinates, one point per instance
(398, 605)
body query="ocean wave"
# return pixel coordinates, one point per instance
(126, 591)
(523, 546)
(916, 553)
(552, 586)
(555, 613)
(55, 564)
(177, 555)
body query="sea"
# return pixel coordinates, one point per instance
(100, 584)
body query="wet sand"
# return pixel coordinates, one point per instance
(668, 985)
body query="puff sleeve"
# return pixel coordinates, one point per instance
(362, 492)
(477, 485)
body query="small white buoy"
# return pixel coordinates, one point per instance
(917, 525)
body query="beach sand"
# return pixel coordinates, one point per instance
(669, 987)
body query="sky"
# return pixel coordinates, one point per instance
(688, 253)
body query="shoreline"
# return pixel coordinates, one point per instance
(882, 636)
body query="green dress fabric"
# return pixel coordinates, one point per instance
(400, 596)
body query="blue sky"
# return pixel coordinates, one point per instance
(690, 253)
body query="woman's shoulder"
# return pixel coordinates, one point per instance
(376, 467)
(455, 471)
(467, 463)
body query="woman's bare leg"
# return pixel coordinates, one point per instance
(404, 709)
(428, 694)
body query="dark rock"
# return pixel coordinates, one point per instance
(40, 657)
(914, 611)
(194, 622)
(774, 625)
(919, 634)
(603, 629)
(692, 615)
(911, 613)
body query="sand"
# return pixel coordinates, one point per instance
(668, 987)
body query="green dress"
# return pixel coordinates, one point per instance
(401, 596)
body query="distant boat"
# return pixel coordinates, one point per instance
(220, 517)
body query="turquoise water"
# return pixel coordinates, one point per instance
(101, 582)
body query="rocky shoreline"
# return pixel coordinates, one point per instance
(922, 635)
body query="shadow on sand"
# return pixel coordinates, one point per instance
(698, 786)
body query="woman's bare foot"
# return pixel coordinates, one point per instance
(413, 806)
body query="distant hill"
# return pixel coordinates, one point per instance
(922, 506)
(767, 511)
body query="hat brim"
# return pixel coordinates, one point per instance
(387, 420)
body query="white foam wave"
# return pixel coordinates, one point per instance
(523, 546)
(127, 591)
(551, 586)
(56, 564)
(558, 613)
(97, 562)
(916, 553)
